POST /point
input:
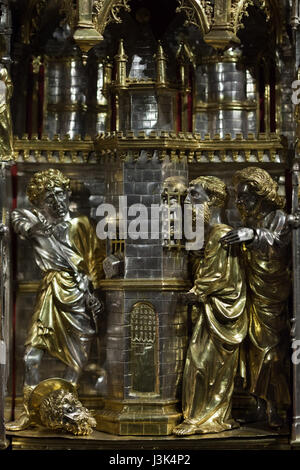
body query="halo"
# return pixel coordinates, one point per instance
(43, 389)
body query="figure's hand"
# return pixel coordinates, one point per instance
(95, 305)
(41, 229)
(240, 235)
(188, 298)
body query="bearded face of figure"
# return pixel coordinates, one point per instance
(76, 418)
(62, 410)
(247, 201)
(197, 196)
(55, 203)
(173, 190)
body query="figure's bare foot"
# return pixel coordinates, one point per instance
(216, 427)
(23, 422)
(185, 429)
(274, 420)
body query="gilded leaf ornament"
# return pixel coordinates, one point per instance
(239, 9)
(69, 10)
(102, 17)
(198, 13)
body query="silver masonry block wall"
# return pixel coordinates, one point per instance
(146, 325)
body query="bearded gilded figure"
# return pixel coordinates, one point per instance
(264, 241)
(70, 256)
(219, 294)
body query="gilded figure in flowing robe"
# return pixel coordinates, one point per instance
(6, 134)
(6, 90)
(265, 244)
(219, 293)
(70, 256)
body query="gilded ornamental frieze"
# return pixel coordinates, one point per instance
(197, 149)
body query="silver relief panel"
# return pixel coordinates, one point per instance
(144, 349)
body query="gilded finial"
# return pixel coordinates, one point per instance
(121, 59)
(161, 61)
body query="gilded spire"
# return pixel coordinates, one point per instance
(161, 66)
(121, 59)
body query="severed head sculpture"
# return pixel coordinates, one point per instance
(174, 189)
(54, 404)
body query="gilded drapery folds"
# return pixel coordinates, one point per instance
(6, 135)
(269, 283)
(213, 354)
(265, 244)
(60, 324)
(219, 295)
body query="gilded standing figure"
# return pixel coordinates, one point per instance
(264, 240)
(6, 134)
(6, 91)
(70, 256)
(219, 293)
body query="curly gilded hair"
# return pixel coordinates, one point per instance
(43, 181)
(261, 183)
(53, 413)
(215, 187)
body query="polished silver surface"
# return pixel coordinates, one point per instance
(285, 117)
(6, 29)
(97, 115)
(147, 111)
(250, 86)
(223, 90)
(225, 122)
(141, 65)
(65, 97)
(144, 111)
